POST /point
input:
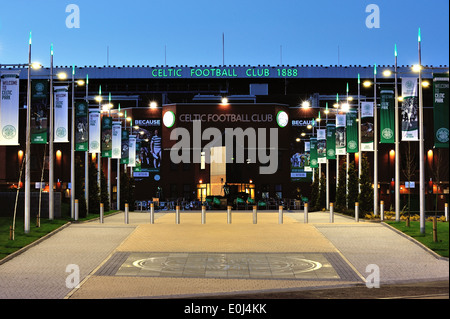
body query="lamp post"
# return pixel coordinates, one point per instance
(51, 194)
(27, 146)
(375, 144)
(397, 144)
(421, 146)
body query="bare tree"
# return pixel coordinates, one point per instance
(409, 168)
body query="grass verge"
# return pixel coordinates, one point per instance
(440, 247)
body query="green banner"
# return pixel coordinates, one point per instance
(124, 155)
(321, 145)
(314, 163)
(387, 116)
(440, 105)
(39, 118)
(331, 141)
(138, 166)
(352, 131)
(81, 126)
(106, 136)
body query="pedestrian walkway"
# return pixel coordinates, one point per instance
(165, 259)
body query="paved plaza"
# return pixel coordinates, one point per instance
(191, 259)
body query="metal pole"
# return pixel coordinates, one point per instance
(229, 214)
(72, 149)
(101, 213)
(306, 213)
(118, 183)
(51, 194)
(280, 215)
(331, 213)
(382, 210)
(255, 214)
(397, 147)
(421, 149)
(86, 156)
(152, 213)
(126, 213)
(356, 212)
(27, 147)
(359, 135)
(446, 212)
(203, 214)
(375, 144)
(177, 214)
(76, 209)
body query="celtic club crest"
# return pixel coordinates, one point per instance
(61, 132)
(387, 133)
(94, 145)
(330, 152)
(442, 135)
(352, 145)
(116, 151)
(9, 132)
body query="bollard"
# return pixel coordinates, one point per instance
(152, 213)
(229, 214)
(76, 209)
(101, 213)
(306, 213)
(126, 213)
(446, 212)
(280, 215)
(177, 214)
(382, 210)
(255, 214)
(356, 212)
(203, 214)
(331, 213)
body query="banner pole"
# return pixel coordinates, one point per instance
(397, 146)
(375, 144)
(50, 151)
(27, 146)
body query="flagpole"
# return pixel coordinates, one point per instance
(359, 134)
(375, 144)
(51, 177)
(86, 155)
(27, 146)
(421, 146)
(397, 146)
(347, 155)
(72, 150)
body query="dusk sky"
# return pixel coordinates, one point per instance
(322, 32)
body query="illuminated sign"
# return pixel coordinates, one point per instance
(282, 119)
(225, 72)
(169, 119)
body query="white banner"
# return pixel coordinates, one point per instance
(410, 110)
(94, 131)
(341, 139)
(9, 108)
(132, 151)
(367, 127)
(116, 140)
(61, 107)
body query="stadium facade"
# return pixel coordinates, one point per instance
(163, 99)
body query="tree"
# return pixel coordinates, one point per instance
(409, 169)
(79, 187)
(321, 199)
(126, 191)
(352, 188)
(314, 191)
(365, 197)
(104, 196)
(94, 193)
(341, 188)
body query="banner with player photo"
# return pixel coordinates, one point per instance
(410, 110)
(314, 163)
(321, 146)
(106, 136)
(331, 141)
(341, 140)
(149, 146)
(81, 127)
(131, 150)
(39, 118)
(367, 127)
(352, 131)
(124, 147)
(94, 131)
(116, 140)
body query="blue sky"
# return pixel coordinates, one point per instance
(309, 32)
